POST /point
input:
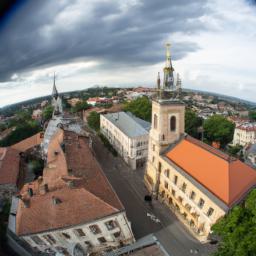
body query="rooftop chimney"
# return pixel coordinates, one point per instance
(56, 200)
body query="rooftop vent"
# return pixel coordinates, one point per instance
(56, 200)
(71, 184)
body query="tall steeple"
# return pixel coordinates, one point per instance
(56, 99)
(168, 82)
(54, 89)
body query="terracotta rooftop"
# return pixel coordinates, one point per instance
(68, 177)
(9, 165)
(43, 214)
(85, 165)
(227, 178)
(153, 250)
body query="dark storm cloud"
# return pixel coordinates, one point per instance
(36, 36)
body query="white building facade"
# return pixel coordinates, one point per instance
(245, 134)
(128, 135)
(94, 237)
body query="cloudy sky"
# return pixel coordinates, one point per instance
(121, 43)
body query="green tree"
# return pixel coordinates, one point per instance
(192, 123)
(140, 107)
(21, 132)
(238, 230)
(252, 115)
(94, 120)
(218, 128)
(47, 112)
(234, 150)
(81, 105)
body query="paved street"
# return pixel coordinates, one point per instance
(130, 188)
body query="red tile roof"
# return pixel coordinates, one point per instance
(76, 165)
(77, 206)
(9, 165)
(227, 178)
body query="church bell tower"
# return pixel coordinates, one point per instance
(168, 116)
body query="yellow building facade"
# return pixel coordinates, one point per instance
(180, 171)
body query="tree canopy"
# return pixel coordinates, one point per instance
(252, 115)
(141, 107)
(218, 128)
(21, 132)
(81, 105)
(94, 120)
(192, 123)
(238, 230)
(47, 112)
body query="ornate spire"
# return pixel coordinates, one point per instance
(54, 89)
(168, 83)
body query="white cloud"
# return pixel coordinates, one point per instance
(223, 63)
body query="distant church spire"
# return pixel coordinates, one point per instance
(158, 84)
(56, 100)
(54, 89)
(178, 86)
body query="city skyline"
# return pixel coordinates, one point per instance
(122, 44)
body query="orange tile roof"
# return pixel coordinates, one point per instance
(227, 178)
(9, 165)
(88, 182)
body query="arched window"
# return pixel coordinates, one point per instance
(155, 121)
(173, 123)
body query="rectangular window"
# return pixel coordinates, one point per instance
(110, 224)
(37, 240)
(175, 180)
(102, 240)
(88, 243)
(79, 232)
(192, 195)
(95, 229)
(50, 239)
(117, 234)
(210, 212)
(184, 186)
(173, 192)
(201, 203)
(166, 185)
(65, 235)
(154, 147)
(167, 173)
